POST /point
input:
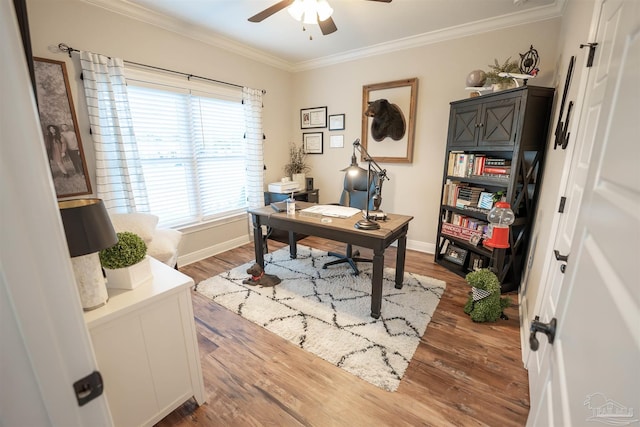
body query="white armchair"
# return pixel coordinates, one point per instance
(162, 243)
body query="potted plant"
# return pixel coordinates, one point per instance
(297, 166)
(125, 263)
(484, 303)
(508, 66)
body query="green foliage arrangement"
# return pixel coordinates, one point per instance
(507, 66)
(490, 308)
(129, 250)
(297, 160)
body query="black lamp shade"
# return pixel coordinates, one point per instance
(87, 226)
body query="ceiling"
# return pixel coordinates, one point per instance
(364, 27)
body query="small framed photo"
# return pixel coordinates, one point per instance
(313, 118)
(455, 255)
(312, 142)
(336, 122)
(336, 141)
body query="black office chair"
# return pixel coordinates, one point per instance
(354, 195)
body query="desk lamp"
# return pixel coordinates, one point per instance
(88, 230)
(354, 170)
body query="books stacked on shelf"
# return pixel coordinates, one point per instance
(497, 167)
(468, 196)
(473, 229)
(466, 165)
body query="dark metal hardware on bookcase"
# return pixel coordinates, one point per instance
(508, 127)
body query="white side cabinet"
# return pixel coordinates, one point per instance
(146, 348)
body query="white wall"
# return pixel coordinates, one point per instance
(441, 68)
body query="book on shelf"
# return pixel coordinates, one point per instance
(485, 201)
(497, 170)
(496, 161)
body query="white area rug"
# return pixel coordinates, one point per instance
(327, 311)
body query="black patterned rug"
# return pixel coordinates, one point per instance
(327, 311)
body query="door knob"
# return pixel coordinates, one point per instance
(549, 329)
(559, 257)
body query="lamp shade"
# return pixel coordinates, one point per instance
(87, 226)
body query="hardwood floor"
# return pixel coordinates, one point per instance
(463, 373)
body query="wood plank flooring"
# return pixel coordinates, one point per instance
(462, 374)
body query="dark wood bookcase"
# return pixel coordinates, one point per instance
(512, 125)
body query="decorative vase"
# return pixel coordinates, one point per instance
(300, 179)
(129, 277)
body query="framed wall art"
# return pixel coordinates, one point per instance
(312, 142)
(60, 129)
(388, 120)
(313, 118)
(336, 122)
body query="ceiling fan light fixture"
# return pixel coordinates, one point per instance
(296, 10)
(324, 10)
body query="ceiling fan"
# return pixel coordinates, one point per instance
(320, 13)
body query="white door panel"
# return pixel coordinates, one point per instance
(589, 373)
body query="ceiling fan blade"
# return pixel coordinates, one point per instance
(382, 1)
(259, 17)
(327, 26)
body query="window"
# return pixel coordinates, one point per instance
(192, 148)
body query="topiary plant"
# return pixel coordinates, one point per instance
(485, 303)
(129, 250)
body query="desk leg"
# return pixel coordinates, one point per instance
(402, 249)
(258, 242)
(293, 246)
(376, 282)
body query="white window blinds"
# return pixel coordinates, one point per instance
(193, 152)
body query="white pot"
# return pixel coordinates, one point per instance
(300, 178)
(130, 277)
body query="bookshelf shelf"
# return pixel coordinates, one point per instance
(506, 131)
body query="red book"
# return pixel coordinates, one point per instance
(497, 170)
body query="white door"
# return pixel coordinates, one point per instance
(589, 373)
(44, 344)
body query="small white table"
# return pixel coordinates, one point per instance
(146, 348)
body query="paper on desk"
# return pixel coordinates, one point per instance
(332, 210)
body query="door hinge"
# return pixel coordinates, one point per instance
(563, 200)
(592, 52)
(88, 388)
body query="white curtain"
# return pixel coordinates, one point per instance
(119, 179)
(252, 100)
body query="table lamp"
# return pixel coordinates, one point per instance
(88, 230)
(354, 169)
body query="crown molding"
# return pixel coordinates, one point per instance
(139, 13)
(199, 33)
(538, 14)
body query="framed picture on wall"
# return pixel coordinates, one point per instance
(313, 118)
(336, 122)
(388, 120)
(312, 142)
(60, 129)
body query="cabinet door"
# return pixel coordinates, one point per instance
(463, 126)
(498, 122)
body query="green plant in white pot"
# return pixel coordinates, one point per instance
(125, 263)
(297, 166)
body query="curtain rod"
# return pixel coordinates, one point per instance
(66, 48)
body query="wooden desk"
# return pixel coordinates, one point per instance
(341, 230)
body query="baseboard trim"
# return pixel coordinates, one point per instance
(201, 254)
